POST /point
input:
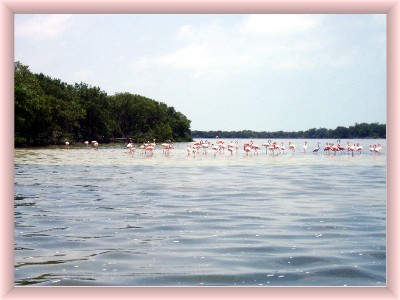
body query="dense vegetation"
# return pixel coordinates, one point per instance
(363, 130)
(48, 111)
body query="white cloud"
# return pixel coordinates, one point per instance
(254, 43)
(41, 27)
(214, 50)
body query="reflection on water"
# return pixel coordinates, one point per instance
(109, 217)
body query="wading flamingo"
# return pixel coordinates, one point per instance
(292, 147)
(150, 148)
(327, 148)
(255, 147)
(378, 149)
(283, 148)
(359, 148)
(316, 149)
(371, 148)
(166, 147)
(231, 147)
(305, 147)
(131, 147)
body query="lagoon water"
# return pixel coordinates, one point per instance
(108, 217)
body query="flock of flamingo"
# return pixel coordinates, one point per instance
(250, 148)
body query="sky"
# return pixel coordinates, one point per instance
(261, 72)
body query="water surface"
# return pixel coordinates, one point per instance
(109, 217)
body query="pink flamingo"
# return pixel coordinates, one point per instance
(247, 147)
(340, 147)
(352, 149)
(205, 145)
(371, 148)
(277, 148)
(150, 149)
(267, 145)
(255, 147)
(167, 147)
(292, 147)
(378, 149)
(283, 147)
(231, 147)
(216, 149)
(131, 147)
(334, 148)
(327, 148)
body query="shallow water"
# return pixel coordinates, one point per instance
(108, 217)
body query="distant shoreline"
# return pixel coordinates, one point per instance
(358, 131)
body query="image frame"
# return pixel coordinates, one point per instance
(8, 8)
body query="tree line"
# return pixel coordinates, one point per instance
(359, 130)
(49, 111)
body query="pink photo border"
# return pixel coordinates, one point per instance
(10, 7)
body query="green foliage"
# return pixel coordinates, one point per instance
(48, 111)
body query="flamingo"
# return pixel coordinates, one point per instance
(340, 147)
(166, 147)
(131, 147)
(153, 143)
(86, 143)
(316, 149)
(66, 143)
(327, 148)
(143, 147)
(247, 149)
(276, 147)
(266, 145)
(221, 145)
(255, 147)
(95, 144)
(305, 147)
(271, 147)
(292, 147)
(196, 145)
(352, 149)
(348, 147)
(378, 149)
(371, 148)
(283, 147)
(245, 145)
(205, 145)
(215, 148)
(334, 148)
(359, 148)
(231, 146)
(150, 148)
(194, 151)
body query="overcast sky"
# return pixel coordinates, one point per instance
(224, 72)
